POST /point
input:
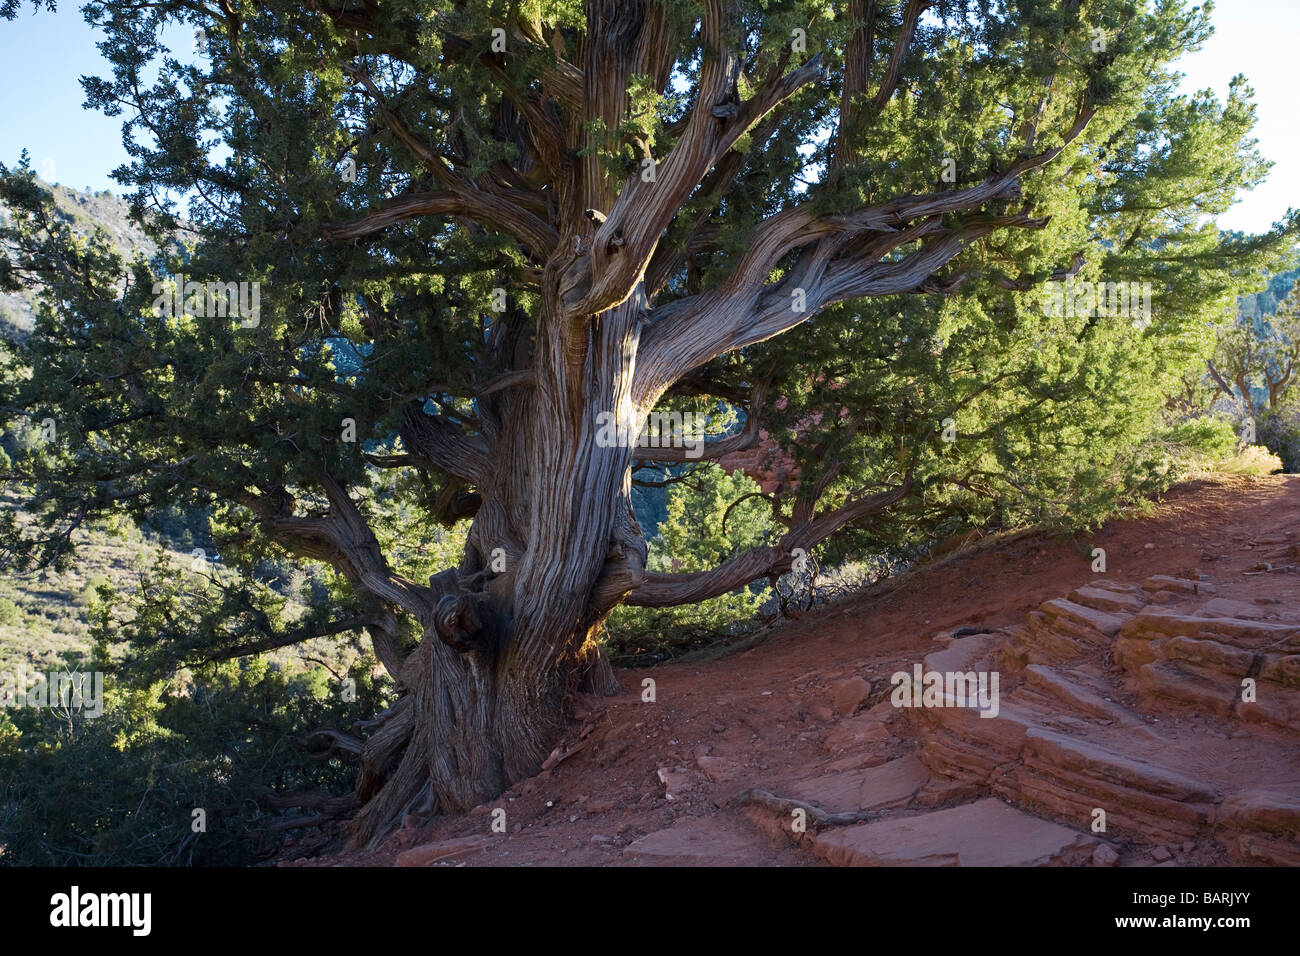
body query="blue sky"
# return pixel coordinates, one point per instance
(42, 56)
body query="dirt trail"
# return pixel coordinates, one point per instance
(805, 714)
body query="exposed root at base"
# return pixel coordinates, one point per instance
(756, 796)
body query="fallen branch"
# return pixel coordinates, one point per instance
(558, 756)
(327, 804)
(335, 739)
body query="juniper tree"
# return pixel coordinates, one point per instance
(480, 231)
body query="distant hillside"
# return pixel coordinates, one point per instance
(1259, 304)
(83, 211)
(43, 615)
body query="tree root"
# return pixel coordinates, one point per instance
(600, 678)
(391, 797)
(785, 805)
(327, 804)
(383, 749)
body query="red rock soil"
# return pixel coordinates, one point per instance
(768, 716)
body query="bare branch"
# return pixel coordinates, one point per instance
(489, 208)
(670, 590)
(289, 638)
(436, 443)
(1219, 379)
(742, 310)
(343, 539)
(712, 451)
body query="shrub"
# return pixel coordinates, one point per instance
(121, 789)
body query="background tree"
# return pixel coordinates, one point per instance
(481, 229)
(1255, 366)
(1256, 361)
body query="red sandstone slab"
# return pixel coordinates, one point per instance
(1105, 599)
(984, 833)
(1104, 621)
(704, 841)
(878, 788)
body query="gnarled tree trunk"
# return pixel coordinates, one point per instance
(553, 546)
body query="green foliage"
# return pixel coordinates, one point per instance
(1206, 439)
(121, 789)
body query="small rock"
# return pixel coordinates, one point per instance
(860, 734)
(676, 781)
(1148, 546)
(717, 769)
(1189, 846)
(719, 727)
(1160, 854)
(1164, 582)
(821, 711)
(1104, 855)
(848, 694)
